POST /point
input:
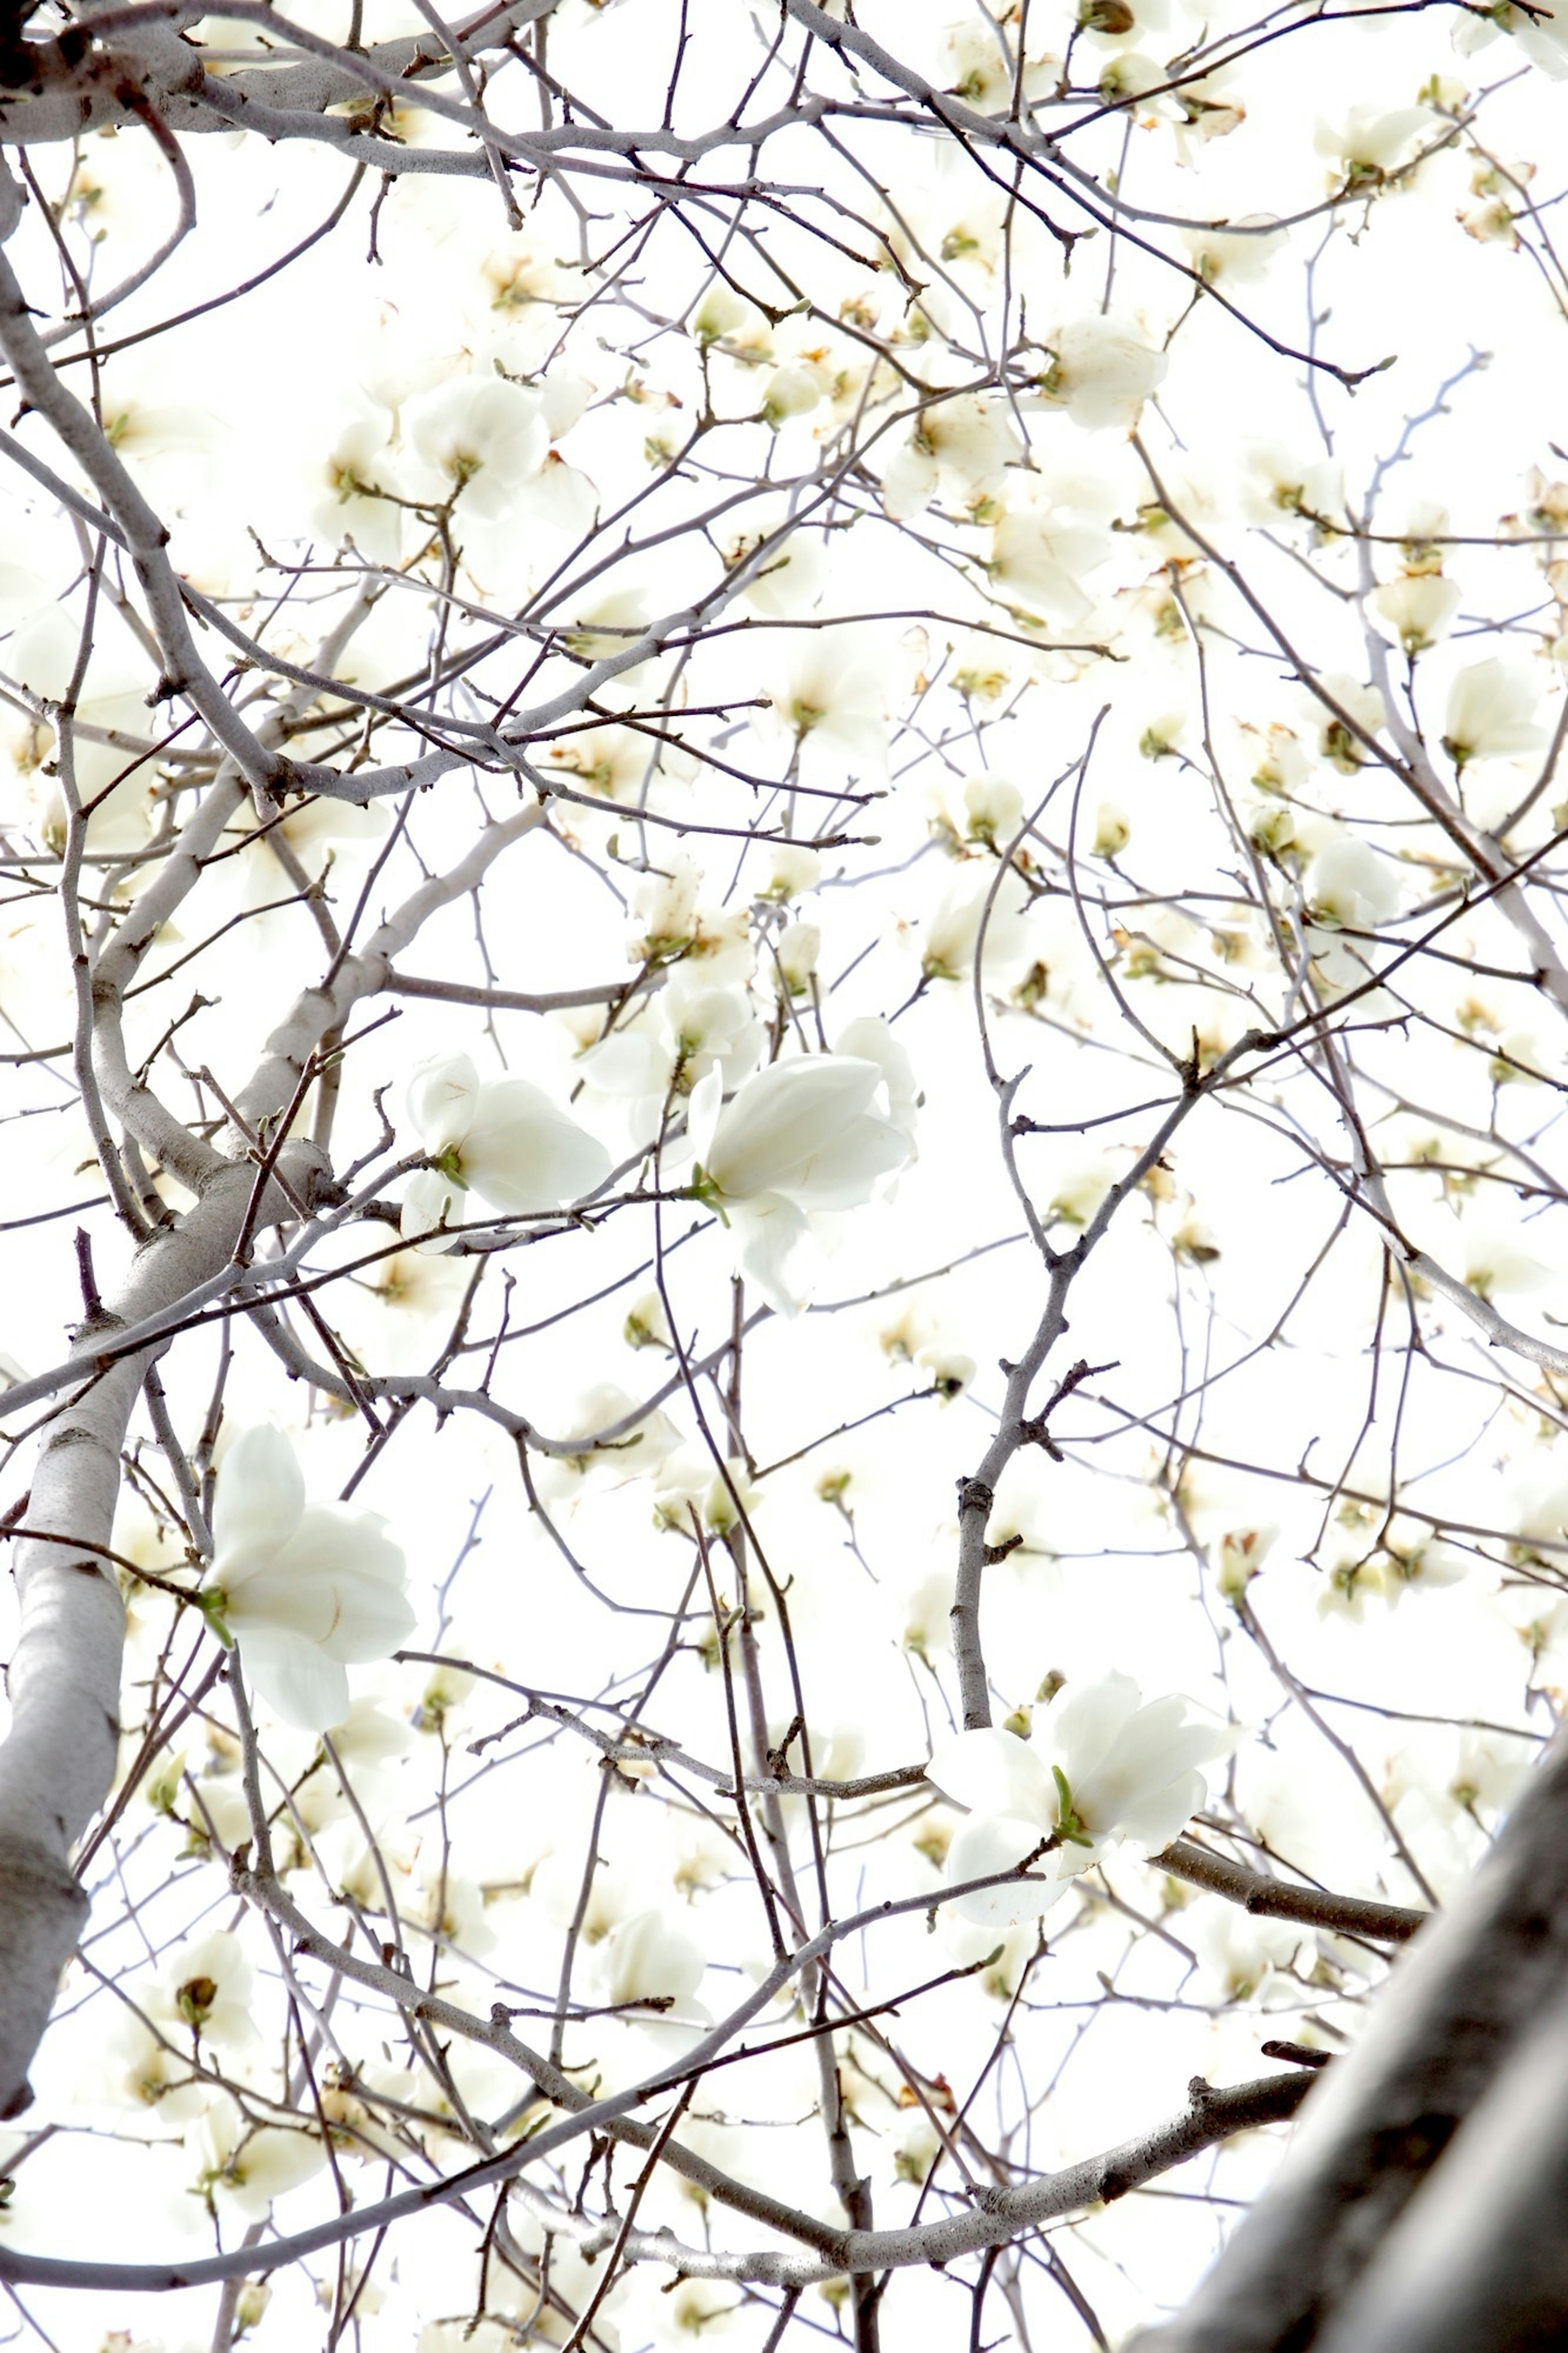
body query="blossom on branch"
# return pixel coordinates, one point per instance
(306, 1589)
(1101, 1769)
(800, 1137)
(504, 1139)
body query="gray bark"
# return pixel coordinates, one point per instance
(58, 1762)
(1453, 2035)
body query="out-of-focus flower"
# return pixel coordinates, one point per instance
(958, 450)
(796, 949)
(1239, 253)
(1418, 609)
(972, 896)
(244, 2166)
(688, 1482)
(1101, 1770)
(504, 1139)
(993, 810)
(833, 702)
(1369, 144)
(1238, 1555)
(208, 1987)
(1041, 557)
(479, 435)
(1102, 369)
(791, 868)
(1349, 888)
(1241, 1958)
(352, 501)
(1492, 714)
(306, 1589)
(1113, 830)
(634, 1452)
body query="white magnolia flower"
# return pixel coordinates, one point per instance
(688, 1482)
(1239, 254)
(305, 1589)
(481, 436)
(208, 1989)
(1102, 370)
(797, 950)
(1100, 1769)
(504, 1139)
(958, 450)
(791, 868)
(1238, 1556)
(973, 896)
(646, 1972)
(1417, 608)
(794, 390)
(639, 1442)
(350, 501)
(1492, 714)
(244, 2168)
(799, 1137)
(993, 810)
(1349, 888)
(689, 1028)
(1369, 144)
(833, 701)
(1277, 481)
(1241, 1958)
(1041, 558)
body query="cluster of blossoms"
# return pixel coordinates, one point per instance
(835, 671)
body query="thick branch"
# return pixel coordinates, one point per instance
(1449, 2024)
(57, 1760)
(1279, 1899)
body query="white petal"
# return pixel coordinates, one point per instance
(995, 1772)
(993, 1842)
(441, 1098)
(359, 1573)
(260, 1494)
(783, 1117)
(706, 1100)
(770, 1231)
(432, 1201)
(1163, 1814)
(843, 1172)
(523, 1153)
(297, 1679)
(1085, 1723)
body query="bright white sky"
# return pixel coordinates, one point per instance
(229, 422)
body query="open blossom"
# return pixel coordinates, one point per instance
(1040, 557)
(1417, 608)
(1349, 887)
(244, 2167)
(480, 435)
(810, 1134)
(505, 1141)
(1492, 714)
(1101, 1768)
(1369, 144)
(958, 450)
(1102, 369)
(306, 1589)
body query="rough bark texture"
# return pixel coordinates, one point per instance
(1452, 2034)
(58, 1762)
(1479, 2261)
